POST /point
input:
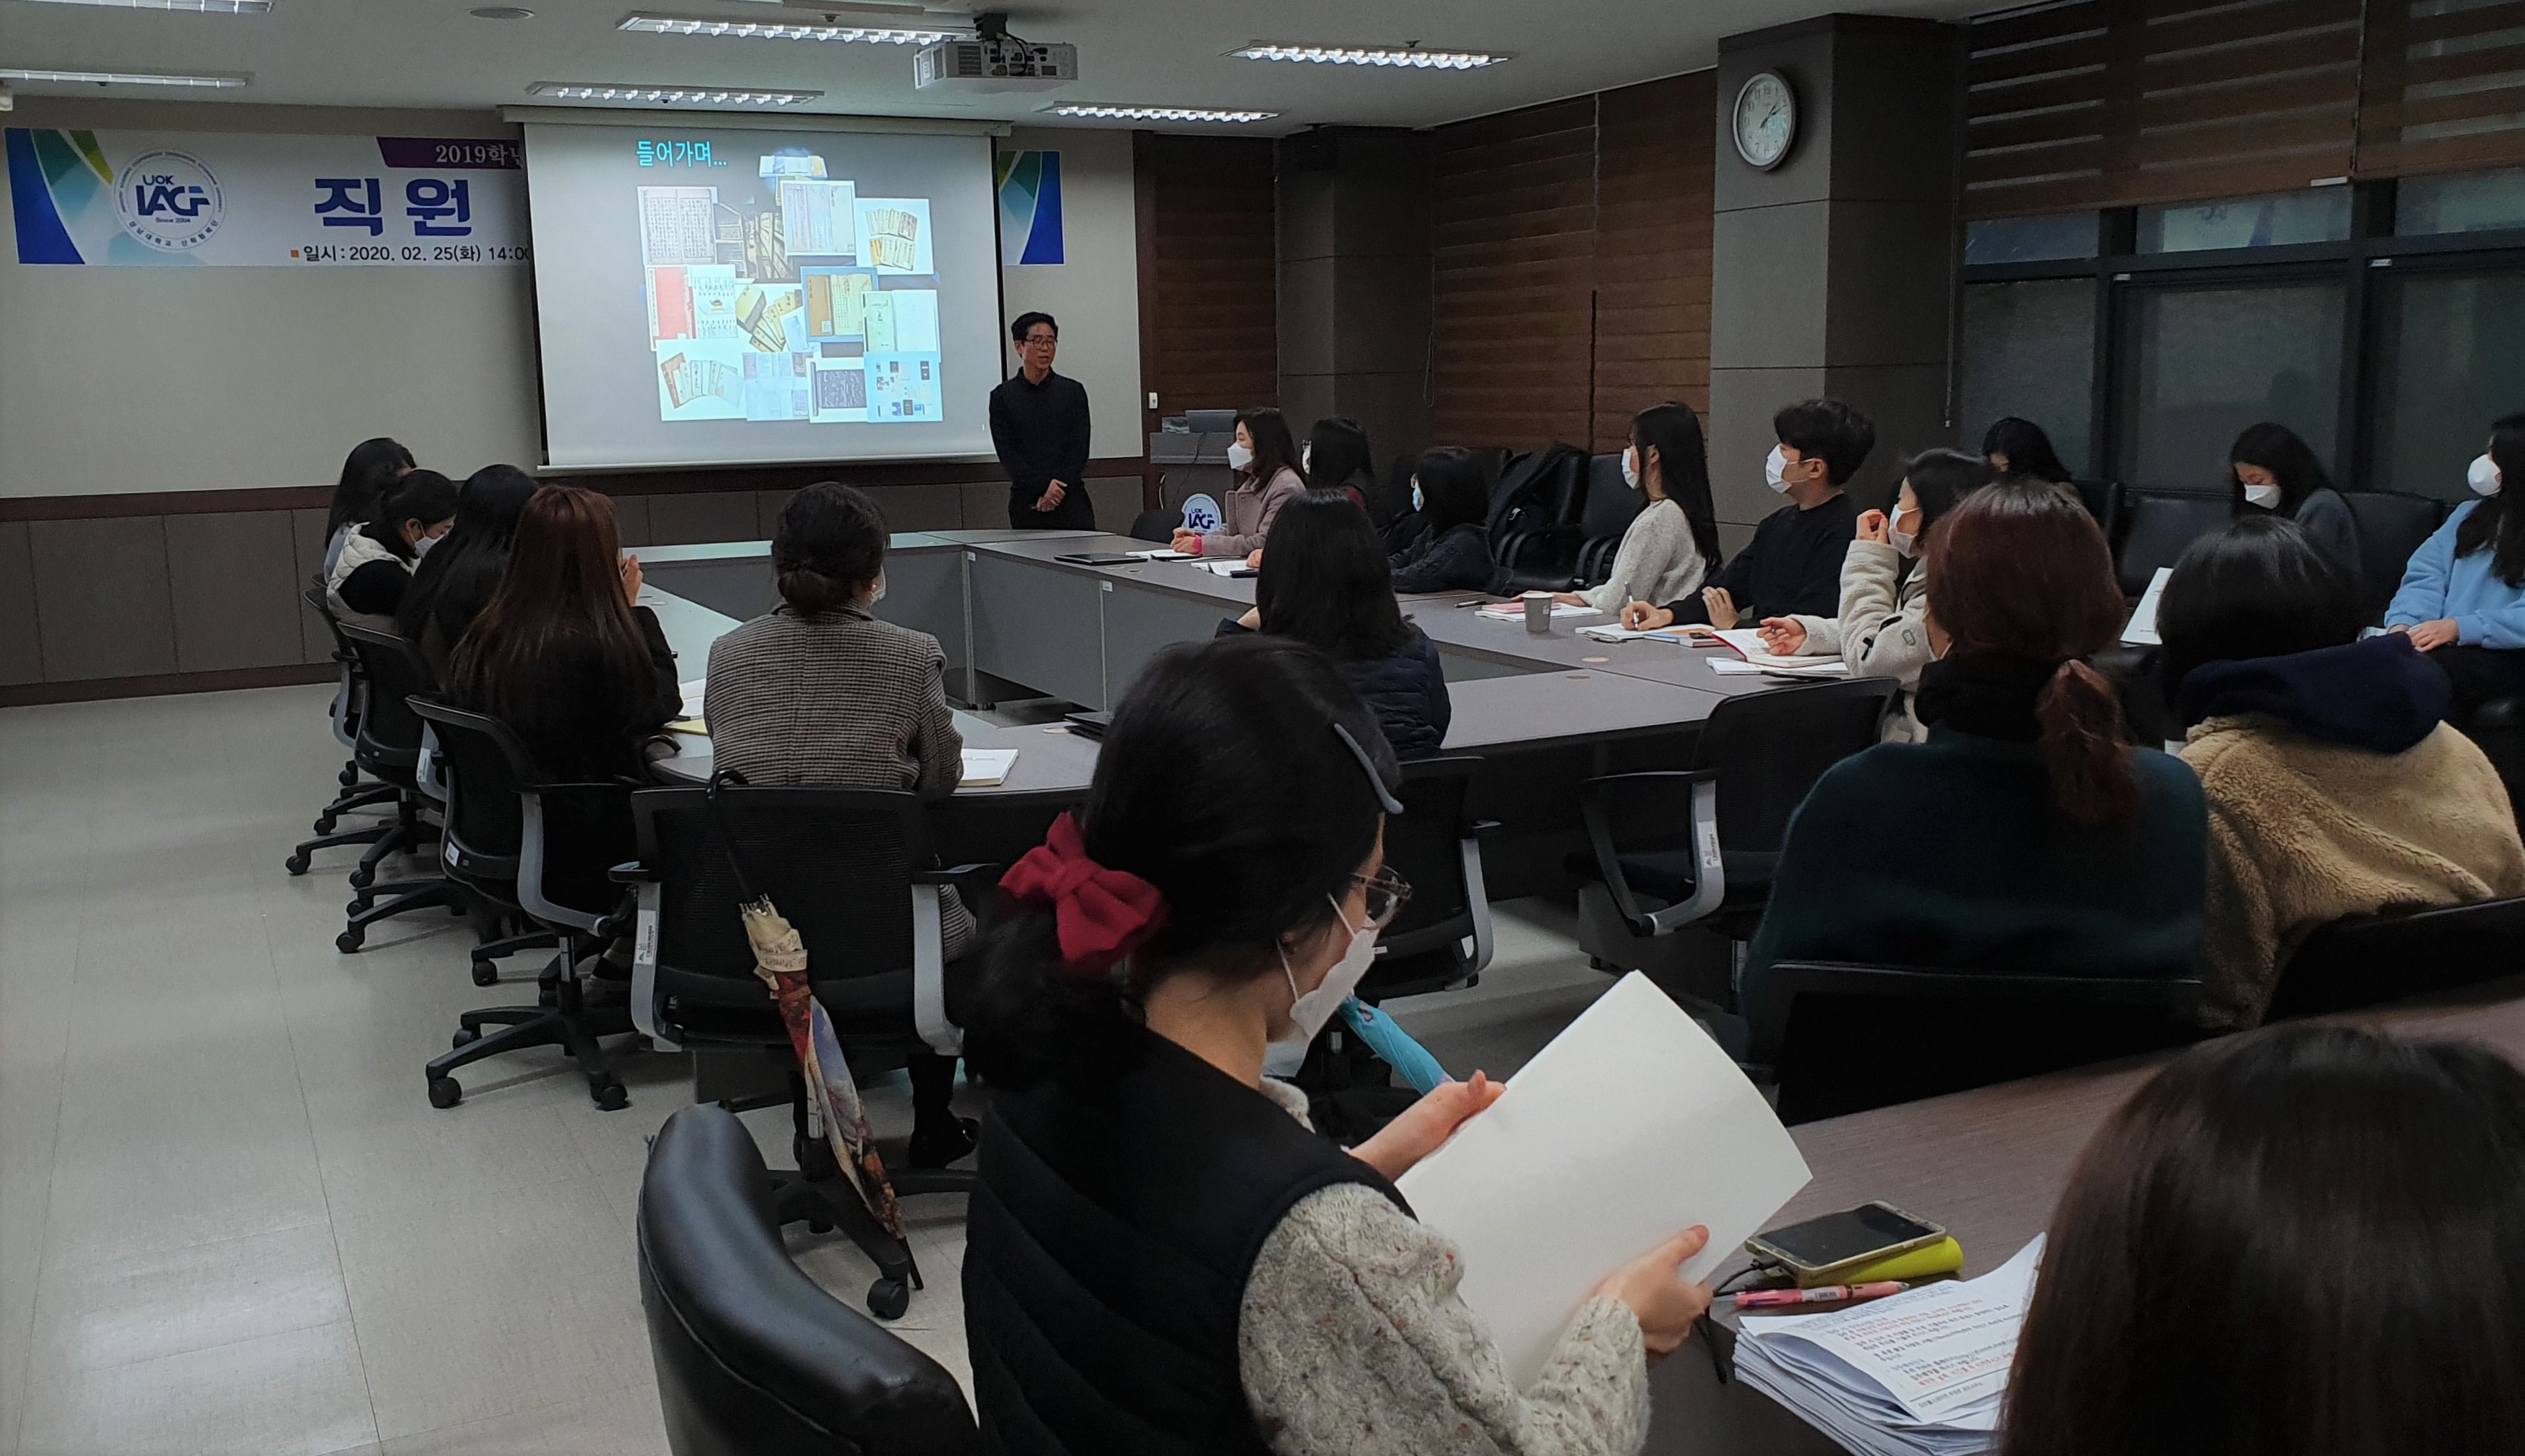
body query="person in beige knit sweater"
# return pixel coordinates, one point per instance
(2335, 788)
(1882, 630)
(1672, 545)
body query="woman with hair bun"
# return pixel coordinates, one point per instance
(1161, 1255)
(2032, 839)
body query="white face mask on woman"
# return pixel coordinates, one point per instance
(1630, 469)
(2483, 476)
(2267, 496)
(1311, 1010)
(1238, 456)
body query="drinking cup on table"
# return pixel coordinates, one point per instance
(1538, 612)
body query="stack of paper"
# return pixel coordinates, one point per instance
(1515, 612)
(1630, 1128)
(988, 768)
(1919, 1374)
(1162, 554)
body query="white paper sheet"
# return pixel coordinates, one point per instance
(1162, 555)
(692, 692)
(2142, 631)
(1631, 1127)
(1793, 667)
(986, 768)
(1515, 612)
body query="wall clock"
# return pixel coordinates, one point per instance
(1766, 119)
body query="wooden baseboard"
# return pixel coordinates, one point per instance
(156, 685)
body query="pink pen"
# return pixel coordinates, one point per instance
(1828, 1294)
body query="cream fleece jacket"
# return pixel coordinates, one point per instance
(2303, 831)
(1882, 630)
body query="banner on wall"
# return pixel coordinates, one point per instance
(245, 200)
(1029, 184)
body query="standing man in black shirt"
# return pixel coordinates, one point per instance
(1792, 564)
(1039, 427)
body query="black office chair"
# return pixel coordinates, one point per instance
(752, 1359)
(1443, 938)
(1839, 1038)
(1535, 509)
(1611, 506)
(2391, 526)
(2100, 498)
(1155, 525)
(389, 751)
(2363, 960)
(2498, 728)
(358, 793)
(545, 851)
(1699, 847)
(2152, 527)
(846, 867)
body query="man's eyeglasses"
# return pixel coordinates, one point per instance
(1386, 893)
(1037, 340)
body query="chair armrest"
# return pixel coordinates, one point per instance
(632, 872)
(644, 957)
(955, 875)
(929, 970)
(1701, 817)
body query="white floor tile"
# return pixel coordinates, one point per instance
(295, 1395)
(91, 1316)
(612, 1423)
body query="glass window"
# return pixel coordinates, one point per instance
(2448, 364)
(2029, 349)
(2030, 239)
(2467, 203)
(2206, 362)
(2318, 214)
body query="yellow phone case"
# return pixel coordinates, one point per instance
(1946, 1256)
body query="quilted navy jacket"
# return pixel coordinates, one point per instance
(1408, 693)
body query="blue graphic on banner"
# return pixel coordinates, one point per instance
(1030, 187)
(243, 200)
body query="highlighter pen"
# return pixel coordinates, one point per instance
(1828, 1294)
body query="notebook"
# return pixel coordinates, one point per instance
(988, 768)
(1631, 1127)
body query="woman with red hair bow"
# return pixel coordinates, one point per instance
(1161, 1255)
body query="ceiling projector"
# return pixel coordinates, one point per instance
(993, 61)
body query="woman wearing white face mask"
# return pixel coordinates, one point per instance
(1268, 476)
(2274, 470)
(1161, 1256)
(376, 563)
(1671, 547)
(1882, 627)
(2462, 597)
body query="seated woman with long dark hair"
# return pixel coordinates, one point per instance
(2016, 446)
(370, 470)
(452, 584)
(2023, 836)
(2270, 469)
(373, 569)
(1324, 582)
(2296, 1242)
(1162, 1256)
(1452, 551)
(561, 654)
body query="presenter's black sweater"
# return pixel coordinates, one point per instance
(1041, 433)
(1792, 565)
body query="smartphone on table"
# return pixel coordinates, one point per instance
(1821, 1248)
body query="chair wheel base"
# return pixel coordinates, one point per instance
(445, 1093)
(888, 1298)
(325, 823)
(362, 879)
(485, 973)
(464, 1036)
(610, 1096)
(349, 942)
(296, 864)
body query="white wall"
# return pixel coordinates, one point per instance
(119, 380)
(1096, 292)
(125, 379)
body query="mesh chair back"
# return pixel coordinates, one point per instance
(837, 863)
(2392, 526)
(1768, 748)
(1611, 506)
(352, 688)
(2152, 527)
(1424, 844)
(390, 730)
(486, 770)
(2365, 959)
(2100, 498)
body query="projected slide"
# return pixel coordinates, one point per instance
(791, 296)
(732, 295)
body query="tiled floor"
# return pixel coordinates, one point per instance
(229, 1220)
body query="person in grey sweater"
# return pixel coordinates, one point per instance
(1151, 1202)
(1671, 547)
(1267, 477)
(1882, 628)
(2271, 470)
(818, 692)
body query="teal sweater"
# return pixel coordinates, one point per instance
(1950, 854)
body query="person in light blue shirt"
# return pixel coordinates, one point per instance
(2462, 597)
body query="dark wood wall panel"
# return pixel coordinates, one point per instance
(1209, 333)
(1513, 251)
(1656, 153)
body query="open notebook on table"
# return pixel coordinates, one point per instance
(1740, 650)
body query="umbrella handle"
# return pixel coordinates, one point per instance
(727, 835)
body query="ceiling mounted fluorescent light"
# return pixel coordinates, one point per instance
(1400, 57)
(1106, 113)
(124, 78)
(205, 7)
(670, 25)
(669, 95)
